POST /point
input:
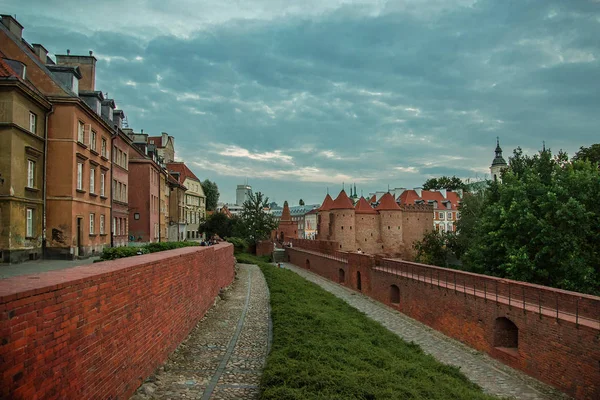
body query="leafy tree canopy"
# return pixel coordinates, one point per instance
(211, 190)
(444, 182)
(255, 223)
(301, 202)
(220, 224)
(591, 153)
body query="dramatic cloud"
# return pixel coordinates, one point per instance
(301, 96)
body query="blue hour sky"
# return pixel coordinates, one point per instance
(300, 96)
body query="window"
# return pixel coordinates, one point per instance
(115, 153)
(92, 180)
(30, 174)
(29, 227)
(79, 176)
(80, 134)
(441, 215)
(92, 217)
(125, 160)
(115, 226)
(32, 122)
(103, 148)
(449, 215)
(114, 190)
(93, 140)
(102, 224)
(102, 179)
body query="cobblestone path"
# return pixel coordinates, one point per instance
(493, 376)
(223, 356)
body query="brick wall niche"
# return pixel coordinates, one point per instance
(98, 331)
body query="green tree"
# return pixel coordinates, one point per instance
(301, 202)
(435, 248)
(255, 224)
(444, 182)
(211, 190)
(591, 153)
(540, 225)
(218, 223)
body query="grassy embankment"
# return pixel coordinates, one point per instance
(325, 349)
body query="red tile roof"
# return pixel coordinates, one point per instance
(5, 70)
(342, 202)
(373, 199)
(387, 203)
(362, 207)
(327, 203)
(411, 197)
(183, 170)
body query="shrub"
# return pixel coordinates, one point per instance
(240, 245)
(112, 253)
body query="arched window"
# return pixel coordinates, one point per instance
(341, 276)
(506, 334)
(358, 282)
(394, 294)
(307, 264)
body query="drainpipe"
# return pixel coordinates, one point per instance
(44, 183)
(110, 185)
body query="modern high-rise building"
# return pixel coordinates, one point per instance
(242, 194)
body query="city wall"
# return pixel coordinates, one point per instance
(97, 331)
(550, 334)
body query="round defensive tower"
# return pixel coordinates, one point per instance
(323, 218)
(341, 220)
(367, 227)
(390, 224)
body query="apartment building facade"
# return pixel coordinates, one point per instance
(195, 199)
(23, 112)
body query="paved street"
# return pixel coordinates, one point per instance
(39, 266)
(223, 356)
(494, 377)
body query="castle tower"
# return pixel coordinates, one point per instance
(323, 218)
(390, 224)
(287, 228)
(498, 164)
(341, 221)
(367, 227)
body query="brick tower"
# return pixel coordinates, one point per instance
(323, 218)
(390, 224)
(367, 227)
(341, 220)
(287, 229)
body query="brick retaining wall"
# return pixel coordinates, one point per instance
(97, 331)
(558, 331)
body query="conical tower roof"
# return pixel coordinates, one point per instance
(285, 214)
(373, 199)
(362, 207)
(387, 203)
(342, 202)
(327, 203)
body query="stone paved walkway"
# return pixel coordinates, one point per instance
(493, 376)
(223, 356)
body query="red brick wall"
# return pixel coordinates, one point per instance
(563, 351)
(97, 331)
(264, 248)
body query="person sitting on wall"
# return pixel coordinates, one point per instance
(359, 251)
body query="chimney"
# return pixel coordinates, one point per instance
(13, 25)
(41, 52)
(419, 191)
(444, 193)
(87, 66)
(118, 116)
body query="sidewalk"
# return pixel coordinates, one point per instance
(224, 355)
(494, 377)
(39, 266)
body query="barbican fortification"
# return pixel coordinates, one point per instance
(387, 229)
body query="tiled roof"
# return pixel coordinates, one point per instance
(342, 202)
(373, 199)
(5, 70)
(362, 207)
(387, 203)
(184, 171)
(427, 196)
(327, 203)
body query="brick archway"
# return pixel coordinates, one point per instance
(341, 276)
(394, 294)
(506, 334)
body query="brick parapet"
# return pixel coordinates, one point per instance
(98, 330)
(558, 330)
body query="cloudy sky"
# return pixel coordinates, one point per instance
(298, 96)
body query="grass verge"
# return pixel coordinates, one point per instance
(325, 349)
